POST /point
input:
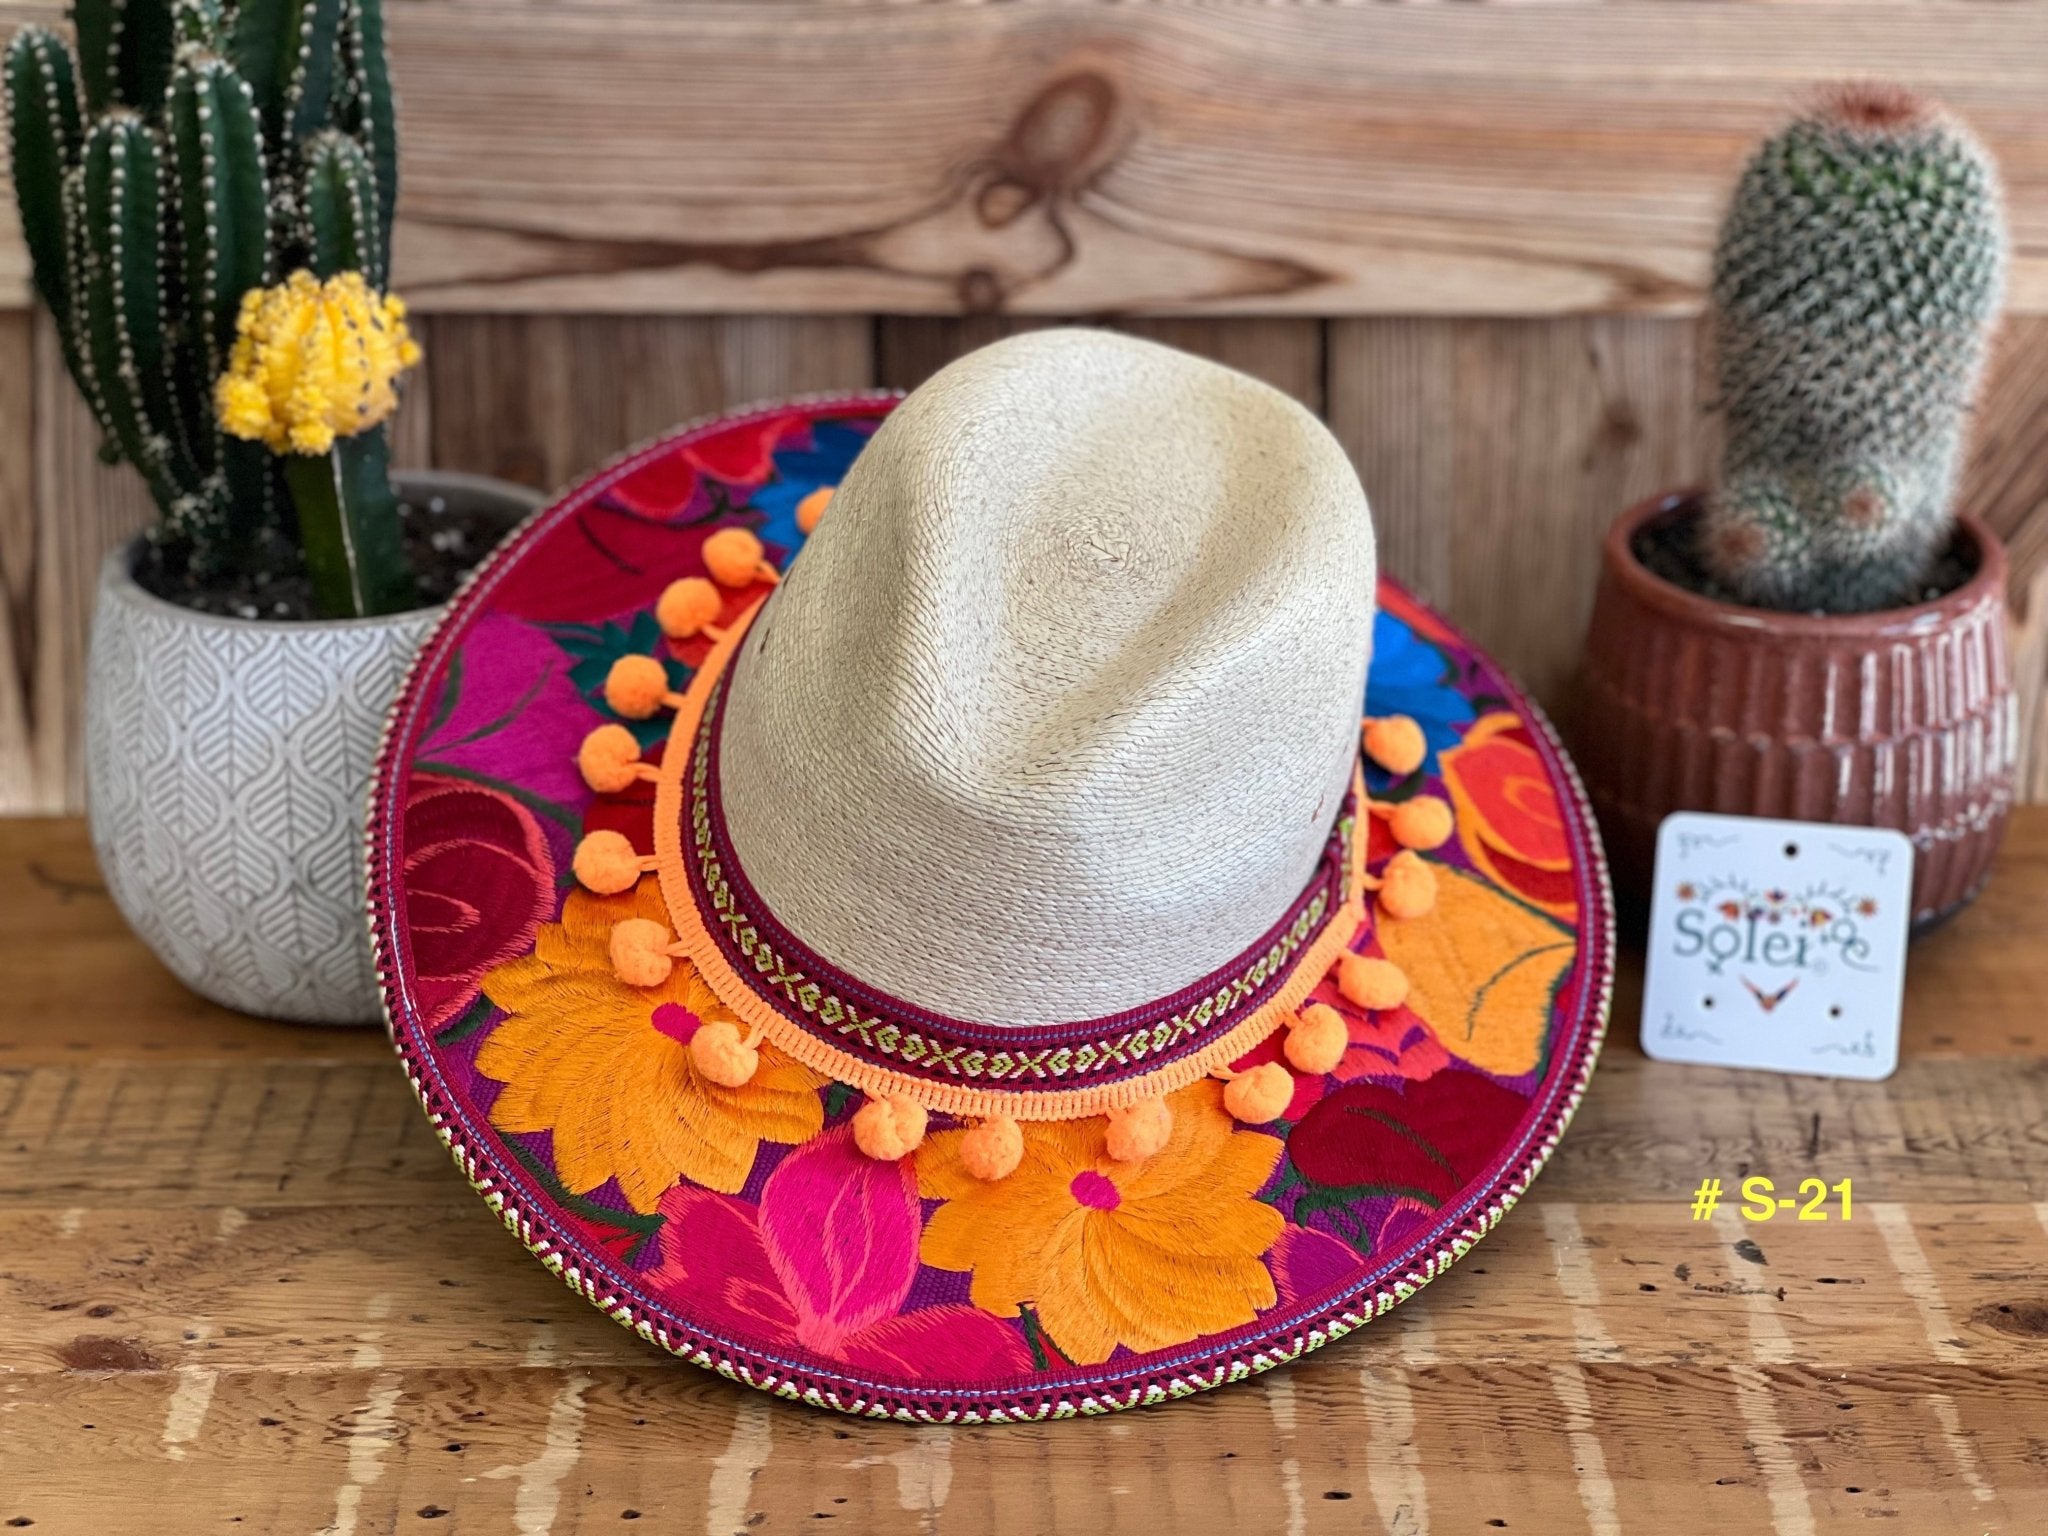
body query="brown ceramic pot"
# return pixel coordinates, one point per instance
(1904, 718)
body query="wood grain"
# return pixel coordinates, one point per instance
(125, 1086)
(1288, 354)
(1496, 453)
(541, 399)
(19, 787)
(412, 429)
(1673, 1291)
(1420, 175)
(239, 1281)
(82, 509)
(657, 156)
(1340, 1448)
(1076, 159)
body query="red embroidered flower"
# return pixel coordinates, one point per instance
(1433, 1137)
(1508, 817)
(478, 881)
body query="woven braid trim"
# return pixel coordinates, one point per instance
(681, 837)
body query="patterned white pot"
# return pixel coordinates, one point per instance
(227, 769)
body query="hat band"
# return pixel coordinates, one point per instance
(834, 1023)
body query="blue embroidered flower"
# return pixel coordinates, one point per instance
(800, 471)
(1410, 676)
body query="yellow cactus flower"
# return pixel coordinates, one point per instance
(313, 361)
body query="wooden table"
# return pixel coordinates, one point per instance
(242, 1287)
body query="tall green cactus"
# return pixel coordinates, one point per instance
(1858, 271)
(187, 152)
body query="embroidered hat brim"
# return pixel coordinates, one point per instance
(739, 1226)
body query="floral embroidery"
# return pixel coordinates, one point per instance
(512, 715)
(825, 1263)
(1508, 818)
(1138, 1255)
(479, 880)
(1426, 1139)
(1395, 1042)
(1307, 1262)
(1484, 971)
(801, 468)
(606, 1068)
(1411, 676)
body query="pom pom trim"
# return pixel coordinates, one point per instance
(696, 941)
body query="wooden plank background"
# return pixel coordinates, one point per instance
(1471, 236)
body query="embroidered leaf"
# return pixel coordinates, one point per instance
(594, 653)
(1483, 970)
(478, 1015)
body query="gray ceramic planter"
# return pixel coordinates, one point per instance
(227, 766)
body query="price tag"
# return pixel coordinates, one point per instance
(1779, 945)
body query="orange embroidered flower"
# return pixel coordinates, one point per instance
(1145, 1255)
(606, 1067)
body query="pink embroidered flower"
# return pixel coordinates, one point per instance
(824, 1264)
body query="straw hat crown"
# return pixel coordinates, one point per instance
(1055, 712)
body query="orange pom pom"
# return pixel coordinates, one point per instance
(609, 759)
(1424, 822)
(1408, 888)
(1259, 1095)
(687, 606)
(606, 863)
(811, 508)
(733, 557)
(1317, 1040)
(636, 686)
(1396, 743)
(993, 1149)
(887, 1129)
(1371, 983)
(640, 952)
(1138, 1130)
(718, 1053)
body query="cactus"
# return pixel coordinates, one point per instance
(1857, 274)
(184, 154)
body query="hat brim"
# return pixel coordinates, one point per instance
(738, 1228)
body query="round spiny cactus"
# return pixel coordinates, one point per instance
(1857, 274)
